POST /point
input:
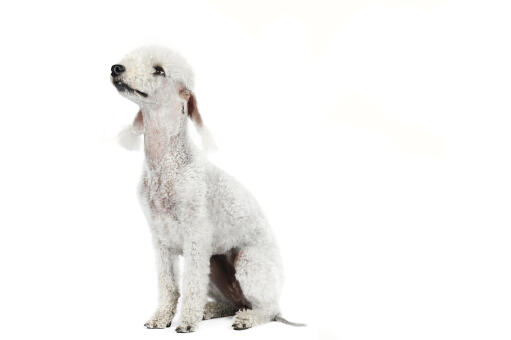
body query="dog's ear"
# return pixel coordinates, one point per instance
(191, 107)
(129, 136)
(208, 144)
(193, 111)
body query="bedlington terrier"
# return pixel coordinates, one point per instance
(193, 208)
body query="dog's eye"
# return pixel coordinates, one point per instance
(159, 71)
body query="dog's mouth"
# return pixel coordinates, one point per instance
(122, 86)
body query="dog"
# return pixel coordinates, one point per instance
(193, 208)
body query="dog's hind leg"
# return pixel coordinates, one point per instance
(214, 309)
(219, 307)
(258, 270)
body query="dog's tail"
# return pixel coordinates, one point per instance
(279, 318)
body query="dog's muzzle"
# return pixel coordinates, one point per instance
(121, 86)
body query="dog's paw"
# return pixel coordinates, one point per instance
(185, 327)
(243, 320)
(157, 324)
(161, 319)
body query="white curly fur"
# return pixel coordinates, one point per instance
(193, 208)
(129, 138)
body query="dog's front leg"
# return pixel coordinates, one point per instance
(168, 271)
(197, 252)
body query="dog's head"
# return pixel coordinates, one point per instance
(155, 76)
(152, 75)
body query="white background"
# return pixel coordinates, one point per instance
(375, 134)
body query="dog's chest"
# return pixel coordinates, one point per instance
(160, 195)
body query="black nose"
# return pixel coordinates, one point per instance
(117, 69)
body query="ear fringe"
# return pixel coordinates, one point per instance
(208, 142)
(129, 138)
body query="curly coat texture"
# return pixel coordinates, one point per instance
(194, 209)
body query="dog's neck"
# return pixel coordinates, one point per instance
(166, 142)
